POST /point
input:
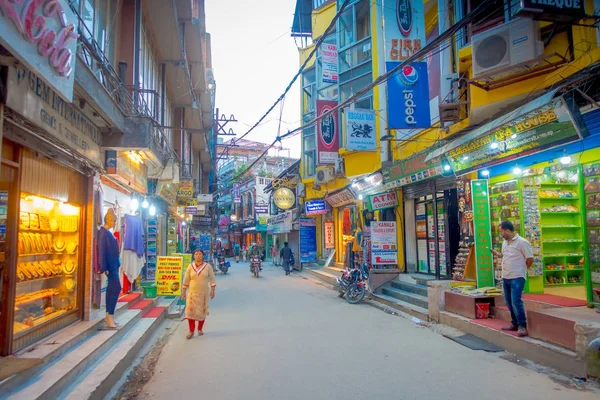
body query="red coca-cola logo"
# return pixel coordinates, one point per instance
(31, 22)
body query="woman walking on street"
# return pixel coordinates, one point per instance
(198, 276)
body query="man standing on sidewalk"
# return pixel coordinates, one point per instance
(517, 257)
(286, 256)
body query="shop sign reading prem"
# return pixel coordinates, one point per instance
(34, 99)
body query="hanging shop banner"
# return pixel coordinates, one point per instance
(411, 170)
(552, 10)
(329, 235)
(308, 240)
(186, 189)
(191, 210)
(360, 130)
(261, 208)
(44, 38)
(129, 172)
(367, 186)
(33, 98)
(328, 142)
(237, 193)
(483, 236)
(261, 223)
(408, 97)
(315, 207)
(329, 63)
(382, 201)
(284, 198)
(340, 199)
(384, 248)
(205, 198)
(165, 190)
(169, 271)
(404, 22)
(548, 126)
(280, 223)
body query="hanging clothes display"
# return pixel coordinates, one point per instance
(132, 252)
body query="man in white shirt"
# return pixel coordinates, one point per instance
(517, 257)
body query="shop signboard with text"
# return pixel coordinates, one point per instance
(382, 201)
(43, 36)
(411, 170)
(308, 240)
(280, 223)
(169, 272)
(130, 172)
(384, 247)
(31, 97)
(329, 235)
(360, 130)
(408, 97)
(236, 193)
(205, 198)
(546, 127)
(186, 189)
(315, 207)
(261, 209)
(329, 63)
(340, 199)
(328, 141)
(483, 230)
(404, 22)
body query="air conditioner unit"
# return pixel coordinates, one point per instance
(339, 171)
(324, 175)
(509, 45)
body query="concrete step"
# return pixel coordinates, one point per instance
(54, 377)
(406, 297)
(100, 377)
(410, 287)
(502, 313)
(550, 326)
(322, 275)
(408, 308)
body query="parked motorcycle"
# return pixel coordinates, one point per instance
(255, 265)
(223, 265)
(353, 284)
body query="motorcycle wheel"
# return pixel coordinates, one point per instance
(355, 294)
(256, 271)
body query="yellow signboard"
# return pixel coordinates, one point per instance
(169, 272)
(186, 189)
(284, 198)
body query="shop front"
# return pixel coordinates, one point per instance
(538, 168)
(281, 229)
(346, 217)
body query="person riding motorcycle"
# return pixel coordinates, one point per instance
(255, 251)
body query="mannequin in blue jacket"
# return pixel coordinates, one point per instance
(109, 262)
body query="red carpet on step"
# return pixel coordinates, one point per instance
(129, 297)
(154, 312)
(140, 305)
(495, 324)
(559, 301)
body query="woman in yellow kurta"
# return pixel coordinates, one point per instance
(195, 292)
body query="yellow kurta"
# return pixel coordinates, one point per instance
(196, 281)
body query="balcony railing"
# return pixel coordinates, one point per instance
(186, 171)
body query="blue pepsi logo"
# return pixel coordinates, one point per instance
(409, 75)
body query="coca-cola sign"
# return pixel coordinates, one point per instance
(43, 36)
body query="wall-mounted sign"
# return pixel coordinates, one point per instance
(204, 220)
(290, 183)
(190, 210)
(328, 142)
(483, 236)
(404, 22)
(315, 207)
(329, 63)
(261, 208)
(408, 97)
(551, 10)
(340, 199)
(31, 97)
(329, 235)
(169, 271)
(410, 170)
(186, 189)
(126, 170)
(236, 193)
(548, 126)
(167, 191)
(382, 201)
(308, 240)
(384, 248)
(360, 130)
(44, 38)
(369, 185)
(205, 198)
(284, 198)
(280, 223)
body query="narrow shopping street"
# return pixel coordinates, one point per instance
(283, 337)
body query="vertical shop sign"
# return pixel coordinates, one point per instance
(168, 276)
(329, 235)
(328, 142)
(404, 24)
(384, 249)
(483, 229)
(308, 240)
(151, 248)
(237, 193)
(360, 130)
(171, 235)
(329, 62)
(408, 97)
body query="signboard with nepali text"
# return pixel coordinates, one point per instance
(384, 248)
(169, 272)
(483, 236)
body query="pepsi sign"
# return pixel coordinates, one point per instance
(408, 97)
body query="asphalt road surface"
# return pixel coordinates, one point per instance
(285, 338)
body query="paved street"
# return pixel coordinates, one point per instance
(287, 338)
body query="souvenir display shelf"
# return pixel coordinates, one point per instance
(591, 194)
(48, 249)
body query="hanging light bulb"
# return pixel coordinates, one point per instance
(183, 223)
(485, 173)
(494, 145)
(152, 210)
(360, 197)
(517, 171)
(145, 203)
(565, 159)
(134, 204)
(447, 167)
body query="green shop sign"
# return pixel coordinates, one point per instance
(548, 126)
(483, 233)
(382, 201)
(410, 170)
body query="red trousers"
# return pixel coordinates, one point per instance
(192, 322)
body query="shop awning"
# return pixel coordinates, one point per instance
(251, 229)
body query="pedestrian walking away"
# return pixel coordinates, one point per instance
(517, 257)
(286, 255)
(198, 276)
(236, 250)
(274, 254)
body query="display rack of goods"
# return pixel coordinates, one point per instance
(591, 187)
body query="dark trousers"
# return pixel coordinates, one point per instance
(286, 265)
(112, 291)
(513, 293)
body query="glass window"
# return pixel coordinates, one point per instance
(346, 27)
(350, 88)
(308, 91)
(354, 24)
(309, 151)
(356, 55)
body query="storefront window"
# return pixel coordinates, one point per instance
(47, 269)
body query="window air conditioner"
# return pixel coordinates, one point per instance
(324, 175)
(509, 45)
